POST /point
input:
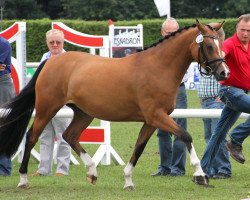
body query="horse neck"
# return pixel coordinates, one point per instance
(175, 52)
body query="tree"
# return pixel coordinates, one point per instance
(198, 9)
(109, 9)
(23, 9)
(121, 9)
(239, 7)
(53, 9)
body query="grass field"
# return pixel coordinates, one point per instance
(110, 178)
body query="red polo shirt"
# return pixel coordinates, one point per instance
(238, 61)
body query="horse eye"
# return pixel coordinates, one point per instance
(208, 70)
(209, 48)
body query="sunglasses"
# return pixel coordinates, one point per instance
(55, 42)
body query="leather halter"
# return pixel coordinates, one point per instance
(209, 70)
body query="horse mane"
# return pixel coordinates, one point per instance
(167, 36)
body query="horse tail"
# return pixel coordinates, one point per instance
(16, 116)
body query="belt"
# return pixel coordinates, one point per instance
(182, 84)
(206, 98)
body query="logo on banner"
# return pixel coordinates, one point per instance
(127, 37)
(193, 81)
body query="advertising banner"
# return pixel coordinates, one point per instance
(125, 40)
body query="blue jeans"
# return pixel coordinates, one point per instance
(236, 101)
(241, 132)
(5, 166)
(221, 162)
(173, 156)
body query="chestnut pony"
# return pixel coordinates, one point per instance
(141, 87)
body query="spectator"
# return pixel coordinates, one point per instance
(127, 52)
(7, 92)
(172, 155)
(208, 92)
(55, 128)
(233, 93)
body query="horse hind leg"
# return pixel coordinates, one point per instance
(23, 182)
(80, 122)
(144, 135)
(31, 139)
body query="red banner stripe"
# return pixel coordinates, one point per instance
(92, 135)
(15, 78)
(10, 32)
(80, 39)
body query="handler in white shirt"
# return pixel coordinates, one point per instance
(55, 128)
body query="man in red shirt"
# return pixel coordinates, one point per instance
(234, 94)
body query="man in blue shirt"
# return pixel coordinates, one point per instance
(7, 92)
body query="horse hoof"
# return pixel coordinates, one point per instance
(129, 188)
(23, 186)
(202, 180)
(92, 179)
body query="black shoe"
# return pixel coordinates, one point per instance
(220, 176)
(235, 151)
(160, 174)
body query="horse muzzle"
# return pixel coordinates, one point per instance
(222, 72)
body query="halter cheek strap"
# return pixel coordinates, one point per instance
(209, 70)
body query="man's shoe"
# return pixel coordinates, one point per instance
(59, 174)
(220, 176)
(160, 174)
(37, 174)
(235, 151)
(175, 174)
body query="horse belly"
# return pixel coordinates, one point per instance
(109, 106)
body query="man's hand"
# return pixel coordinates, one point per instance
(2, 67)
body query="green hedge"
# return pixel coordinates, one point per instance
(36, 29)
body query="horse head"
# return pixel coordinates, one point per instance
(207, 52)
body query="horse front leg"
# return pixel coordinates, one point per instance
(169, 125)
(199, 176)
(144, 135)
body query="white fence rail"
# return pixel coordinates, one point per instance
(32, 64)
(177, 113)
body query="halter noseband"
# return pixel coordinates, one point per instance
(209, 70)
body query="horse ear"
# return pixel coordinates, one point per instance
(199, 25)
(218, 26)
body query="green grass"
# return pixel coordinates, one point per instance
(110, 178)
